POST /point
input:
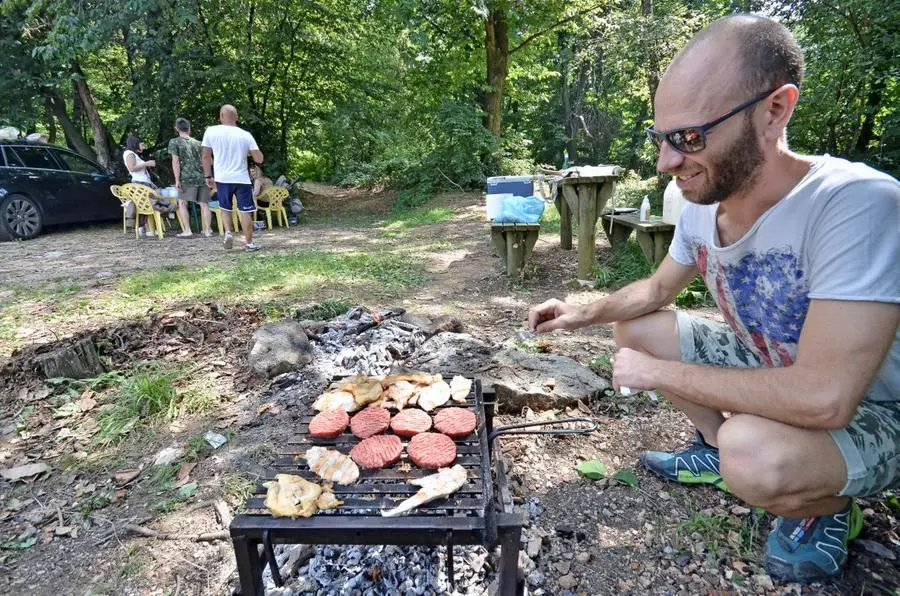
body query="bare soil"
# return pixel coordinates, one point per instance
(597, 537)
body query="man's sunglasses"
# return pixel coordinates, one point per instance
(692, 139)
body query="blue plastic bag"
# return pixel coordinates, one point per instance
(521, 210)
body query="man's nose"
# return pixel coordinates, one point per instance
(669, 160)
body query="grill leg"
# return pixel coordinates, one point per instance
(509, 559)
(249, 566)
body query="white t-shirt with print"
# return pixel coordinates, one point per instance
(230, 146)
(835, 236)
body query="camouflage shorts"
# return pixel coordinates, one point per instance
(870, 444)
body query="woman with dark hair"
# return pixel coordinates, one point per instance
(140, 174)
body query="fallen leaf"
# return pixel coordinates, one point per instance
(118, 495)
(86, 402)
(271, 407)
(65, 433)
(187, 491)
(66, 410)
(15, 504)
(184, 473)
(19, 472)
(593, 469)
(626, 476)
(123, 477)
(63, 530)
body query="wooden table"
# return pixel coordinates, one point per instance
(585, 196)
(514, 242)
(654, 236)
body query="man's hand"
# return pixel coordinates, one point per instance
(634, 370)
(180, 187)
(150, 163)
(211, 183)
(555, 314)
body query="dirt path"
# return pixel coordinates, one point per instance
(592, 537)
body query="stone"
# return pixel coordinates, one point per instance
(682, 560)
(534, 548)
(459, 352)
(563, 567)
(536, 578)
(763, 581)
(875, 548)
(740, 510)
(422, 322)
(518, 377)
(583, 557)
(279, 348)
(567, 582)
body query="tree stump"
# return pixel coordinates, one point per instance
(77, 361)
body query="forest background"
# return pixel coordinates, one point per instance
(420, 94)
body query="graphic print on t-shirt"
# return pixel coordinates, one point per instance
(763, 297)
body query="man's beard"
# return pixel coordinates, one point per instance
(735, 168)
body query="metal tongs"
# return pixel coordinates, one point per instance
(513, 429)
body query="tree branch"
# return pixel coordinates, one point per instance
(555, 25)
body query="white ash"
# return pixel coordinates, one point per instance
(384, 570)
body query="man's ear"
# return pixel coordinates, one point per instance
(779, 108)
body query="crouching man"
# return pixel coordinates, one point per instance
(802, 255)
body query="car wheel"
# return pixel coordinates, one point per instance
(20, 218)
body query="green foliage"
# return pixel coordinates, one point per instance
(631, 190)
(330, 308)
(723, 532)
(592, 469)
(626, 477)
(550, 222)
(147, 396)
(626, 265)
(695, 294)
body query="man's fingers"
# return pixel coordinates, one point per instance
(548, 326)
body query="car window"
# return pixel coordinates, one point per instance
(11, 159)
(76, 163)
(35, 157)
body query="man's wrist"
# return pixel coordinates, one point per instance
(207, 177)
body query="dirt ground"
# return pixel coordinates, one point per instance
(72, 530)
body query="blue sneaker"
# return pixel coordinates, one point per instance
(698, 464)
(813, 548)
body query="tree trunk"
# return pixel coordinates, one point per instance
(652, 55)
(101, 144)
(496, 43)
(57, 106)
(51, 125)
(873, 105)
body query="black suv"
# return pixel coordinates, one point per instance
(43, 184)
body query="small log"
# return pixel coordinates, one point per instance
(77, 361)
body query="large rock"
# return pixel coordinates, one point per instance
(279, 348)
(456, 353)
(540, 381)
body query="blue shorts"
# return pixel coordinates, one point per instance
(243, 192)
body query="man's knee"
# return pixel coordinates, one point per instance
(754, 465)
(655, 334)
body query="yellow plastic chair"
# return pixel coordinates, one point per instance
(142, 197)
(276, 196)
(116, 191)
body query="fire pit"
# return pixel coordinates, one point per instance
(481, 512)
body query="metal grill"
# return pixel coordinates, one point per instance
(469, 516)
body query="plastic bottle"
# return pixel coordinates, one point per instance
(645, 209)
(673, 203)
(565, 159)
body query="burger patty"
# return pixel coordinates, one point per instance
(328, 425)
(432, 450)
(455, 422)
(377, 452)
(410, 422)
(370, 422)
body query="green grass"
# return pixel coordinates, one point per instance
(695, 294)
(330, 308)
(197, 448)
(146, 397)
(400, 221)
(550, 220)
(721, 532)
(236, 489)
(627, 264)
(258, 275)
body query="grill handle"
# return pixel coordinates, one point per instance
(513, 429)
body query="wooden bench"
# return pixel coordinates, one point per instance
(513, 242)
(654, 236)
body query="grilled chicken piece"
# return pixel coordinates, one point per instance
(331, 465)
(460, 388)
(292, 496)
(417, 378)
(436, 394)
(401, 392)
(446, 482)
(365, 392)
(336, 400)
(327, 500)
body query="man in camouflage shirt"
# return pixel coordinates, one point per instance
(188, 170)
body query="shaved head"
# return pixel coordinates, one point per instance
(754, 52)
(228, 114)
